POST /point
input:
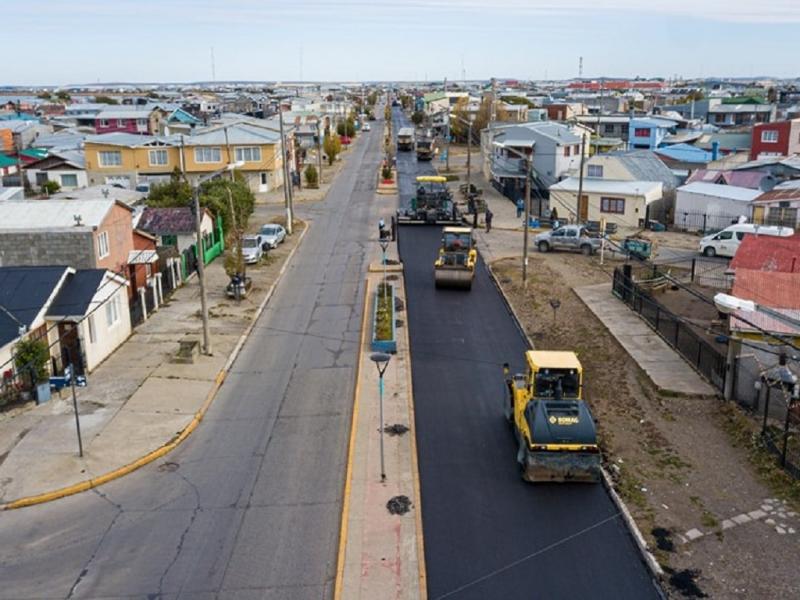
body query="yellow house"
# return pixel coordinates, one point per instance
(128, 160)
(622, 202)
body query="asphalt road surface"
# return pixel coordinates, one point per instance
(488, 534)
(250, 505)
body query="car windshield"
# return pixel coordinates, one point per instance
(249, 243)
(269, 230)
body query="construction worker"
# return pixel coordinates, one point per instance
(488, 217)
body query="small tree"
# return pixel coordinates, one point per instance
(350, 127)
(31, 357)
(62, 95)
(332, 147)
(386, 172)
(387, 114)
(417, 117)
(312, 177)
(105, 100)
(50, 187)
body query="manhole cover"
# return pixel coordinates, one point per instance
(399, 505)
(396, 429)
(168, 467)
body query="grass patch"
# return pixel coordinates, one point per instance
(708, 520)
(384, 313)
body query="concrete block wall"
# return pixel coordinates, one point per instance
(73, 249)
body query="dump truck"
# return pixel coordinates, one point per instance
(424, 145)
(455, 265)
(405, 139)
(431, 205)
(552, 423)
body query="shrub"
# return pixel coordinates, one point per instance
(312, 177)
(386, 173)
(31, 357)
(50, 187)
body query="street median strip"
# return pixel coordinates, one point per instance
(182, 434)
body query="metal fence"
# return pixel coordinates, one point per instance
(709, 361)
(708, 272)
(703, 222)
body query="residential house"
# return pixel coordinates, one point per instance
(125, 160)
(701, 206)
(554, 148)
(81, 314)
(8, 166)
(174, 226)
(607, 126)
(733, 115)
(20, 133)
(728, 142)
(565, 111)
(777, 207)
(66, 168)
(684, 156)
(624, 203)
(775, 139)
(649, 132)
(754, 180)
(781, 168)
(139, 121)
(84, 234)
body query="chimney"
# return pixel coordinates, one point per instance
(714, 150)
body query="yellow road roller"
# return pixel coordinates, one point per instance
(455, 265)
(552, 423)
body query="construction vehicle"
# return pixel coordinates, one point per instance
(551, 421)
(405, 139)
(424, 145)
(455, 265)
(432, 205)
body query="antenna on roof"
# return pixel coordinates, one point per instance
(78, 220)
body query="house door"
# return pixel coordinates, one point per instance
(70, 347)
(263, 182)
(583, 208)
(758, 215)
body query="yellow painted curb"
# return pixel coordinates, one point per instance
(179, 437)
(344, 526)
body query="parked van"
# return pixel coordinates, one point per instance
(726, 242)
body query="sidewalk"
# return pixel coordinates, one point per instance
(138, 400)
(668, 371)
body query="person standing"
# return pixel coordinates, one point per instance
(488, 216)
(520, 207)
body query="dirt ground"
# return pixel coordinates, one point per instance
(682, 464)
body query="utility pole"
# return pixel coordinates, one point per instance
(469, 161)
(287, 194)
(447, 134)
(72, 377)
(580, 177)
(528, 173)
(201, 272)
(319, 151)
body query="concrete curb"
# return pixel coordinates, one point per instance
(633, 529)
(181, 435)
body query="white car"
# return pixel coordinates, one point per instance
(252, 249)
(272, 234)
(366, 127)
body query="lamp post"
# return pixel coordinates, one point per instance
(384, 246)
(528, 173)
(468, 123)
(201, 271)
(381, 361)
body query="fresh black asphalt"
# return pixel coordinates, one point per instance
(487, 533)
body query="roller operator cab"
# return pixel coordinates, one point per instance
(552, 423)
(455, 265)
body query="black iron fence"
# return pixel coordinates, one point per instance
(709, 361)
(703, 222)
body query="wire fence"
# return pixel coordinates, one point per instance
(708, 272)
(703, 222)
(709, 361)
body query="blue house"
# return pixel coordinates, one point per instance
(647, 133)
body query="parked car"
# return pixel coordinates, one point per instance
(273, 234)
(252, 249)
(345, 140)
(726, 242)
(366, 127)
(568, 237)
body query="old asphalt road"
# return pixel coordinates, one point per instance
(487, 533)
(249, 506)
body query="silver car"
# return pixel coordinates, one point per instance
(273, 234)
(252, 249)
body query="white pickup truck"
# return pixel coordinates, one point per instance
(568, 237)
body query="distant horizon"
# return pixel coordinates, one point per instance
(382, 41)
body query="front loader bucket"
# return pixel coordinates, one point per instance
(546, 466)
(458, 278)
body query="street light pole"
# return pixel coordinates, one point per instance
(201, 271)
(528, 169)
(287, 190)
(72, 377)
(381, 361)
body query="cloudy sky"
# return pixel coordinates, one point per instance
(85, 41)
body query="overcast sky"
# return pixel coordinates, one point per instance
(86, 41)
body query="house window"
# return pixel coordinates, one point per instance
(248, 154)
(566, 150)
(110, 158)
(69, 180)
(120, 122)
(112, 310)
(158, 158)
(102, 245)
(769, 136)
(103, 122)
(612, 205)
(595, 171)
(41, 178)
(141, 122)
(641, 132)
(92, 331)
(208, 155)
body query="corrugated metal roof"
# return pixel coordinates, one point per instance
(75, 296)
(238, 134)
(685, 153)
(778, 195)
(31, 215)
(717, 190)
(608, 186)
(133, 113)
(167, 221)
(24, 291)
(768, 253)
(644, 165)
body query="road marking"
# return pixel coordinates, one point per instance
(340, 558)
